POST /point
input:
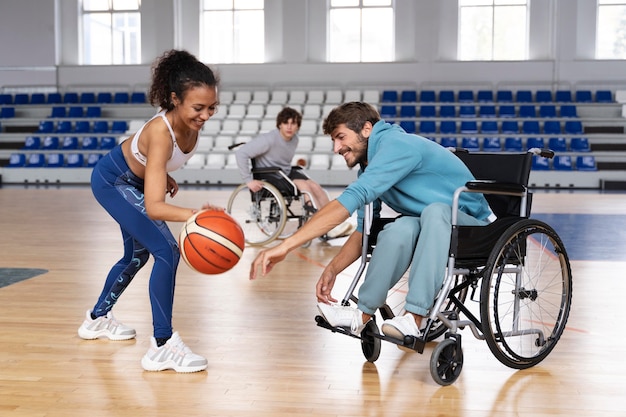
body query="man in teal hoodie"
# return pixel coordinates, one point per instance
(412, 175)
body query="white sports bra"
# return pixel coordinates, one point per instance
(178, 157)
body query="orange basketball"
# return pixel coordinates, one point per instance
(211, 242)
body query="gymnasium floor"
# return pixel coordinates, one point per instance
(266, 355)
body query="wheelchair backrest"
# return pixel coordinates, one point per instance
(508, 168)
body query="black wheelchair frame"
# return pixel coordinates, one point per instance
(518, 266)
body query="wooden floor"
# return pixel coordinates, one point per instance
(266, 355)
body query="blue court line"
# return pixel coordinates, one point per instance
(590, 237)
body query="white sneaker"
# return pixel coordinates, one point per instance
(343, 316)
(172, 355)
(342, 229)
(104, 326)
(401, 326)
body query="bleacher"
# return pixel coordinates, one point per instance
(53, 137)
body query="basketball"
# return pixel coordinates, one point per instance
(211, 242)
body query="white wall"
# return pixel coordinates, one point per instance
(44, 49)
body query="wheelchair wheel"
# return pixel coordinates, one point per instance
(446, 362)
(370, 344)
(526, 294)
(262, 214)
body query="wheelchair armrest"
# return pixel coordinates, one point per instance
(265, 170)
(486, 187)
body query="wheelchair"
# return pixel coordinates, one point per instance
(274, 212)
(516, 268)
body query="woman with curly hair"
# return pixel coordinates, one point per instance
(131, 183)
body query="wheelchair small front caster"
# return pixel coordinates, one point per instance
(370, 344)
(446, 361)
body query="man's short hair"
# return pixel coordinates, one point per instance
(288, 113)
(353, 115)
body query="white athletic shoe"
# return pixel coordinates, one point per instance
(342, 229)
(401, 326)
(104, 326)
(172, 355)
(343, 316)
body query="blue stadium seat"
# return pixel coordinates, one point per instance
(447, 110)
(389, 96)
(54, 98)
(547, 110)
(32, 143)
(7, 112)
(509, 126)
(408, 96)
(573, 127)
(552, 127)
(427, 111)
(507, 110)
(38, 98)
(466, 96)
(580, 145)
(408, 111)
(562, 163)
(76, 111)
(55, 160)
(88, 97)
(388, 112)
(21, 98)
(447, 127)
(94, 111)
(504, 96)
(487, 111)
(121, 97)
(75, 160)
(58, 111)
(530, 127)
(470, 143)
(100, 126)
(563, 96)
(36, 160)
(543, 96)
(119, 126)
(107, 142)
(586, 163)
(492, 144)
(427, 127)
(6, 99)
(64, 126)
(513, 144)
(89, 142)
(92, 159)
(527, 110)
(469, 126)
(50, 143)
(540, 163)
(408, 126)
(604, 96)
(138, 97)
(104, 97)
(449, 142)
(583, 96)
(82, 126)
(427, 96)
(534, 142)
(557, 144)
(46, 126)
(568, 110)
(484, 96)
(70, 143)
(17, 160)
(524, 96)
(446, 96)
(489, 127)
(70, 98)
(467, 111)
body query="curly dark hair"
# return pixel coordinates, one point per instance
(177, 71)
(288, 113)
(353, 115)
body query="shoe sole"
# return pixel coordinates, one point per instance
(150, 366)
(391, 331)
(91, 335)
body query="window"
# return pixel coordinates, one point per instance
(232, 31)
(611, 29)
(111, 32)
(361, 31)
(493, 30)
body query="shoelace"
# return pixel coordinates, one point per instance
(356, 322)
